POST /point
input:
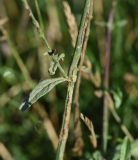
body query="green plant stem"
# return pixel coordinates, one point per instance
(119, 121)
(41, 33)
(60, 67)
(39, 15)
(36, 24)
(80, 38)
(65, 124)
(73, 75)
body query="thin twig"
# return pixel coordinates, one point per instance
(73, 75)
(117, 118)
(36, 24)
(106, 77)
(42, 35)
(39, 15)
(78, 134)
(73, 30)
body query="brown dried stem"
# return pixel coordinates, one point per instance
(78, 135)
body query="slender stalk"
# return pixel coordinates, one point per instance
(123, 127)
(36, 24)
(65, 124)
(77, 127)
(42, 35)
(39, 15)
(60, 67)
(73, 75)
(80, 38)
(106, 77)
(79, 144)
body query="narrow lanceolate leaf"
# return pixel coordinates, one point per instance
(125, 150)
(40, 90)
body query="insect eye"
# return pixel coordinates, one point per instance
(53, 51)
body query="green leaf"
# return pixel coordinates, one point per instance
(40, 90)
(118, 96)
(125, 149)
(97, 155)
(52, 68)
(134, 149)
(54, 63)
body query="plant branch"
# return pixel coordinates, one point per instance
(39, 15)
(78, 135)
(73, 75)
(123, 127)
(80, 38)
(41, 34)
(106, 77)
(36, 24)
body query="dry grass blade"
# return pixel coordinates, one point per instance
(4, 153)
(90, 126)
(3, 21)
(73, 29)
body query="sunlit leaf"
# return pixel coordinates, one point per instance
(117, 95)
(40, 90)
(97, 155)
(134, 149)
(125, 149)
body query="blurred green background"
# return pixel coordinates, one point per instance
(26, 135)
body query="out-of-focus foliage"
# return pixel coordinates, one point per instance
(24, 134)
